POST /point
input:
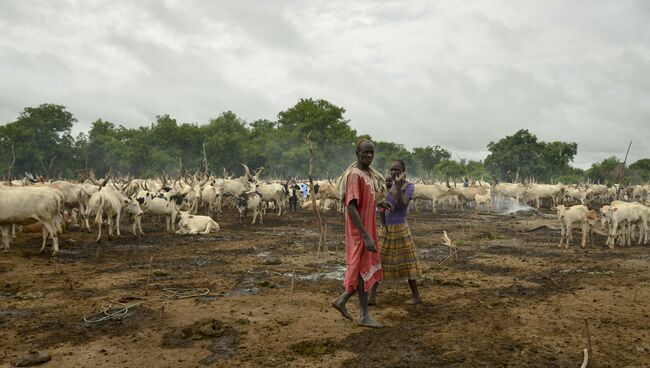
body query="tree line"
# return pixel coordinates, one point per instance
(43, 144)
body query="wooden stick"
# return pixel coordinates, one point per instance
(482, 302)
(11, 165)
(293, 283)
(205, 161)
(449, 256)
(146, 286)
(591, 354)
(312, 160)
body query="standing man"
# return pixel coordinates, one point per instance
(363, 267)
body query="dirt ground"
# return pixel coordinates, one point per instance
(509, 299)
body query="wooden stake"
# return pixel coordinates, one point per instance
(11, 165)
(205, 161)
(312, 160)
(482, 302)
(146, 286)
(591, 354)
(293, 283)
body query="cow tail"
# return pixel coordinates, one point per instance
(98, 217)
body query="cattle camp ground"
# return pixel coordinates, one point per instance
(500, 293)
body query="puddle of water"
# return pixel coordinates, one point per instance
(67, 251)
(206, 299)
(243, 292)
(15, 312)
(337, 274)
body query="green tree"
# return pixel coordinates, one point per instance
(226, 142)
(332, 136)
(605, 171)
(450, 169)
(641, 170)
(523, 153)
(428, 157)
(42, 140)
(387, 152)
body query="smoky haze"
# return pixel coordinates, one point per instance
(455, 74)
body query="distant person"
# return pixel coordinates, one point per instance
(465, 183)
(363, 266)
(398, 257)
(304, 188)
(294, 189)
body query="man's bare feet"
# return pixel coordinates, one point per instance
(342, 309)
(369, 322)
(414, 301)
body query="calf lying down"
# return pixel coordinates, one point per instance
(195, 224)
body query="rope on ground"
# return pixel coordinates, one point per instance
(116, 309)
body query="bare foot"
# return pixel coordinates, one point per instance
(369, 322)
(413, 301)
(342, 309)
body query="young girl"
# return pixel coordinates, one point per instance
(398, 257)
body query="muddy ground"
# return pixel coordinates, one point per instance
(509, 299)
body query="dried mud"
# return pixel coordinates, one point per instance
(507, 299)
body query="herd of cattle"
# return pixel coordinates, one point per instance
(48, 207)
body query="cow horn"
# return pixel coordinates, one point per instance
(248, 172)
(127, 184)
(108, 176)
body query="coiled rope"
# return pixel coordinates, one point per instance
(119, 309)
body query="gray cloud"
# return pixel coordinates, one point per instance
(457, 74)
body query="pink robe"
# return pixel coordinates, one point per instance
(359, 260)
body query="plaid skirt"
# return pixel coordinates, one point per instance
(397, 249)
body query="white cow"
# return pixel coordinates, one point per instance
(432, 192)
(482, 199)
(111, 202)
(23, 206)
(626, 214)
(195, 224)
(249, 201)
(578, 214)
(544, 191)
(273, 192)
(512, 190)
(159, 204)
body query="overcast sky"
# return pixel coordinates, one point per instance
(454, 73)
